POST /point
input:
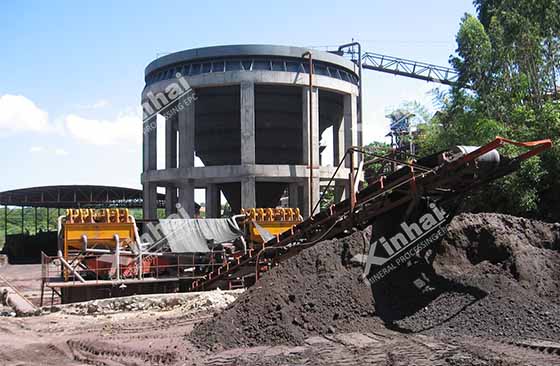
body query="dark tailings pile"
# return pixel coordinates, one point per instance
(495, 275)
(502, 275)
(314, 292)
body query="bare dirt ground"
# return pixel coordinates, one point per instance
(26, 278)
(157, 338)
(105, 333)
(493, 301)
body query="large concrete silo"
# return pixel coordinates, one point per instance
(248, 121)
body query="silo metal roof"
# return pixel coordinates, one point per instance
(253, 50)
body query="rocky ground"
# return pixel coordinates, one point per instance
(493, 299)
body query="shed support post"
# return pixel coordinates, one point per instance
(5, 223)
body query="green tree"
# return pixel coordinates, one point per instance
(508, 60)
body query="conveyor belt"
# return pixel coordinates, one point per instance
(439, 178)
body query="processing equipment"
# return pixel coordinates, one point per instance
(101, 243)
(433, 185)
(406, 208)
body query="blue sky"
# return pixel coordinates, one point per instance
(71, 72)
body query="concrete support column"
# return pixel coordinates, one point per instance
(171, 127)
(150, 201)
(293, 195)
(350, 138)
(186, 126)
(171, 200)
(350, 123)
(212, 201)
(186, 122)
(248, 191)
(248, 196)
(360, 125)
(247, 90)
(314, 191)
(339, 148)
(314, 127)
(149, 144)
(149, 152)
(186, 198)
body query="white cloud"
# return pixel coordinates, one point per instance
(48, 150)
(101, 103)
(17, 113)
(125, 129)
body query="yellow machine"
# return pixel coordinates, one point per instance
(274, 220)
(104, 229)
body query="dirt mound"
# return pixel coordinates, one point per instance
(526, 250)
(505, 272)
(494, 275)
(316, 292)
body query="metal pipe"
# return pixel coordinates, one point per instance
(360, 89)
(310, 133)
(136, 233)
(235, 217)
(352, 191)
(97, 251)
(69, 267)
(5, 223)
(59, 239)
(59, 222)
(108, 251)
(138, 244)
(84, 243)
(357, 178)
(240, 216)
(85, 248)
(118, 256)
(16, 290)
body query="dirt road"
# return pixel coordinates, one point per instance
(158, 338)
